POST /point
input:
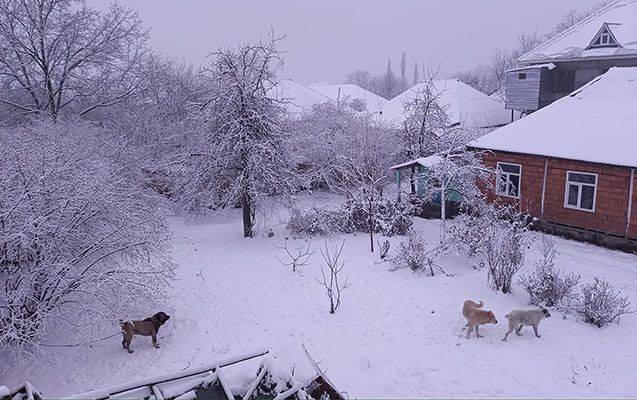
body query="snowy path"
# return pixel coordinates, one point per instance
(396, 335)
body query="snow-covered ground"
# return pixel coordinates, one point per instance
(397, 334)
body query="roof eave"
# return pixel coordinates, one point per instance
(559, 60)
(469, 147)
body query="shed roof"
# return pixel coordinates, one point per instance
(596, 123)
(424, 161)
(573, 43)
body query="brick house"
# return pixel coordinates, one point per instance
(573, 163)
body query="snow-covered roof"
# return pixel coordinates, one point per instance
(464, 104)
(424, 161)
(620, 18)
(596, 123)
(374, 102)
(299, 98)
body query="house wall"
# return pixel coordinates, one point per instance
(611, 204)
(578, 73)
(523, 94)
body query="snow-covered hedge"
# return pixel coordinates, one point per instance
(547, 284)
(82, 240)
(389, 218)
(319, 222)
(600, 303)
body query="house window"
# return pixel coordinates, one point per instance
(522, 76)
(581, 190)
(508, 180)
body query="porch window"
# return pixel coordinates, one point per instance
(581, 190)
(508, 180)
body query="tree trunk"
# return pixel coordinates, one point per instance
(371, 224)
(443, 212)
(247, 216)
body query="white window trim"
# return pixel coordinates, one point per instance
(579, 194)
(497, 179)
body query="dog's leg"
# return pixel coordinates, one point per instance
(478, 331)
(123, 340)
(511, 329)
(517, 331)
(469, 330)
(537, 335)
(129, 339)
(155, 344)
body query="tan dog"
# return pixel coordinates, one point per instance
(476, 317)
(147, 327)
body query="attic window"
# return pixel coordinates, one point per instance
(522, 76)
(604, 39)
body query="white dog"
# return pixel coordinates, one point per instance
(519, 318)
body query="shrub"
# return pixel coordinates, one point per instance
(546, 284)
(319, 222)
(601, 303)
(411, 254)
(390, 218)
(499, 235)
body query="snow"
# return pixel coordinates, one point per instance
(621, 17)
(464, 105)
(548, 66)
(299, 99)
(397, 334)
(596, 123)
(374, 102)
(429, 161)
(4, 391)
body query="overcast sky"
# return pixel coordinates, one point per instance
(327, 39)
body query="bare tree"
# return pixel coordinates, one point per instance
(425, 117)
(59, 55)
(332, 259)
(244, 158)
(297, 257)
(456, 170)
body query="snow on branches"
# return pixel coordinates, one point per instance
(242, 156)
(82, 240)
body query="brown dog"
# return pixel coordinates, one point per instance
(476, 317)
(147, 327)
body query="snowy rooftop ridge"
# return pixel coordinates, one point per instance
(464, 104)
(596, 123)
(374, 102)
(299, 99)
(621, 19)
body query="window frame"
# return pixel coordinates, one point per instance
(499, 171)
(579, 192)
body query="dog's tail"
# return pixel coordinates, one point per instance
(479, 304)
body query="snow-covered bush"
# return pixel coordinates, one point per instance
(82, 240)
(411, 253)
(388, 217)
(600, 303)
(319, 222)
(499, 236)
(548, 285)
